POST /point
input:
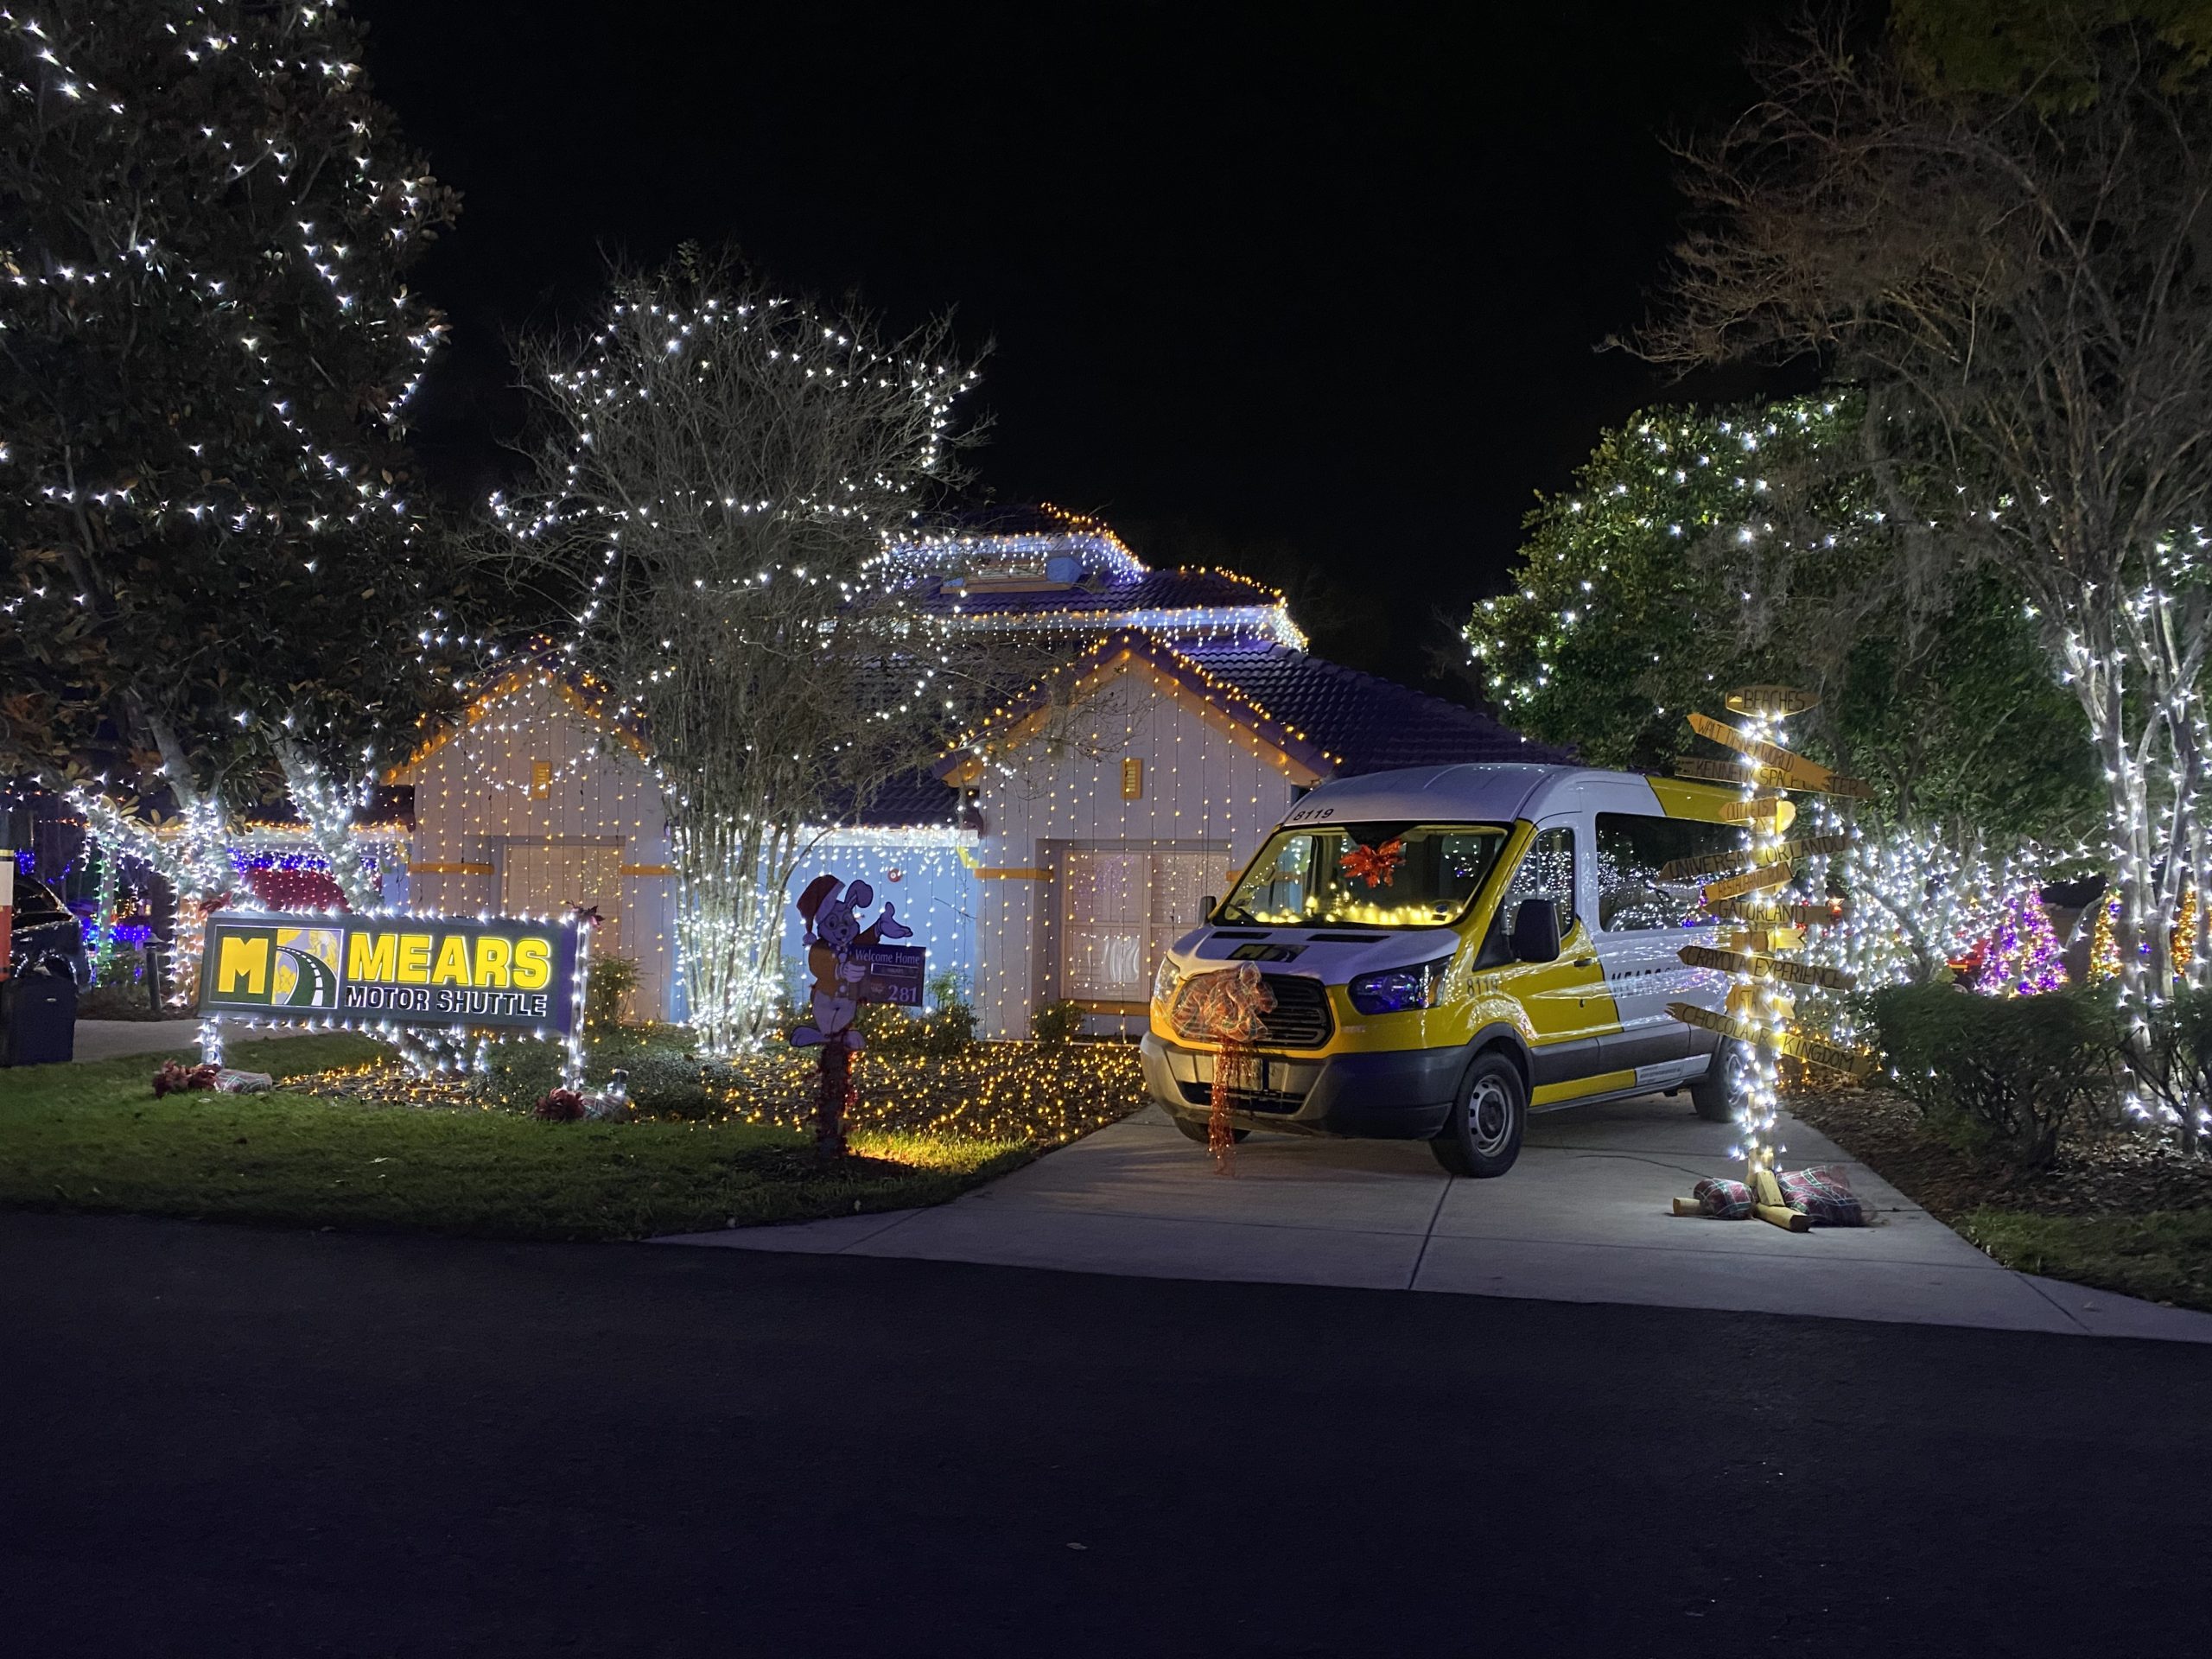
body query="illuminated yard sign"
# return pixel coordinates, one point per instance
(394, 971)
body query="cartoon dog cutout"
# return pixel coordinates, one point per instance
(833, 933)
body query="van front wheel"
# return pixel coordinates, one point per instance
(1482, 1135)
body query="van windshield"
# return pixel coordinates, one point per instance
(1366, 875)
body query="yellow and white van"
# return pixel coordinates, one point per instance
(1450, 947)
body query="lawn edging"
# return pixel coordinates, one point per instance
(92, 1137)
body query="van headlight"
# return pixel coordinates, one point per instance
(1394, 990)
(1166, 982)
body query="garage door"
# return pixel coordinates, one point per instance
(552, 878)
(1121, 911)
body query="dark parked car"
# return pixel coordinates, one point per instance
(47, 938)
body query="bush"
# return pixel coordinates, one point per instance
(948, 1027)
(666, 1083)
(952, 1017)
(607, 983)
(2017, 1072)
(887, 1028)
(1056, 1022)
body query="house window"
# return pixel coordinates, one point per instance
(1121, 910)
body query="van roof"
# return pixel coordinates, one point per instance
(1493, 793)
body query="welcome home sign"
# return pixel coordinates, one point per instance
(498, 972)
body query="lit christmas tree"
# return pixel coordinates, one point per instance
(2022, 959)
(2104, 945)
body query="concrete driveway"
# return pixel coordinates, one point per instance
(1583, 1218)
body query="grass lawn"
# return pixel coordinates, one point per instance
(93, 1137)
(2162, 1255)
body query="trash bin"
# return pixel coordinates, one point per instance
(40, 1014)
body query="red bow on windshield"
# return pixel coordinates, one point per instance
(1373, 865)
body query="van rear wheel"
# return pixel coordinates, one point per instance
(1482, 1135)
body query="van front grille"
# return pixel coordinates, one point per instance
(1299, 1019)
(1300, 1016)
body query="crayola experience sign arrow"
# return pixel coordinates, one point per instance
(399, 970)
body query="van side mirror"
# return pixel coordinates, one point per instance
(1535, 931)
(1205, 909)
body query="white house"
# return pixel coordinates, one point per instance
(519, 807)
(1050, 857)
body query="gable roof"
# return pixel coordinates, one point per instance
(1371, 724)
(1315, 719)
(538, 663)
(1216, 701)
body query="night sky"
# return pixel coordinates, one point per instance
(1314, 296)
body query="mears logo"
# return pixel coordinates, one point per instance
(279, 967)
(496, 972)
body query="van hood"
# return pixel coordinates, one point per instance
(1334, 955)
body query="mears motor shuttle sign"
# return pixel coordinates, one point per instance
(401, 970)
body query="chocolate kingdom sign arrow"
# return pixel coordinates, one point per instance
(1810, 1049)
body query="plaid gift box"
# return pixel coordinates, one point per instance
(1729, 1200)
(1824, 1193)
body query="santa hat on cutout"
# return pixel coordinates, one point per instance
(817, 895)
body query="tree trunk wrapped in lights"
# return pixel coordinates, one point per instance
(719, 470)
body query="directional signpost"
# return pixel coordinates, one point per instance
(1760, 1010)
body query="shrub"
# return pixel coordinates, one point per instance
(664, 1082)
(1056, 1022)
(951, 1023)
(948, 1027)
(610, 980)
(2017, 1072)
(888, 1028)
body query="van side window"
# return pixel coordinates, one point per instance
(1632, 851)
(1546, 872)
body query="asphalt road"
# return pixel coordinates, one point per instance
(237, 1442)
